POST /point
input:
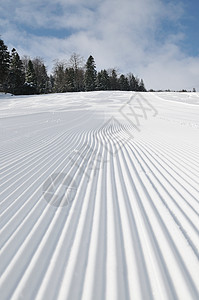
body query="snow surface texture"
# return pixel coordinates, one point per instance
(99, 196)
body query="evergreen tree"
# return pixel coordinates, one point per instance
(51, 83)
(141, 86)
(30, 74)
(16, 76)
(133, 83)
(71, 80)
(42, 79)
(124, 84)
(137, 83)
(90, 74)
(105, 80)
(80, 80)
(99, 85)
(74, 78)
(4, 63)
(30, 84)
(114, 84)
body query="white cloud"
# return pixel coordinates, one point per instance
(126, 34)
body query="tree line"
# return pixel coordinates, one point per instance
(25, 76)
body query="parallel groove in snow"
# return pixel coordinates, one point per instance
(131, 231)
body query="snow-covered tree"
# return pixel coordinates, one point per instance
(16, 76)
(30, 74)
(4, 62)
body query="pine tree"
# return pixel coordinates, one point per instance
(137, 83)
(133, 83)
(90, 74)
(123, 82)
(42, 79)
(16, 76)
(51, 83)
(30, 84)
(45, 80)
(70, 80)
(99, 86)
(30, 74)
(114, 84)
(141, 86)
(105, 80)
(4, 63)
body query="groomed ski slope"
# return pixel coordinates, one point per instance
(99, 196)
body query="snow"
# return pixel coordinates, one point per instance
(99, 196)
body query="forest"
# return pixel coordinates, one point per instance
(26, 76)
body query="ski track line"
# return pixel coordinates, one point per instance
(144, 272)
(148, 271)
(51, 150)
(186, 156)
(93, 252)
(55, 167)
(58, 256)
(172, 163)
(36, 146)
(147, 243)
(177, 193)
(176, 151)
(27, 144)
(27, 238)
(170, 178)
(57, 127)
(36, 157)
(19, 216)
(131, 229)
(83, 238)
(169, 244)
(180, 213)
(25, 156)
(31, 174)
(32, 265)
(185, 161)
(121, 286)
(39, 155)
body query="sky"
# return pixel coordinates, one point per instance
(156, 40)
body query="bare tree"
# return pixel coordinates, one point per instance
(76, 62)
(59, 74)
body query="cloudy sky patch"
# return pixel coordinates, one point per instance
(154, 39)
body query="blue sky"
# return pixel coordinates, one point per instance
(155, 39)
